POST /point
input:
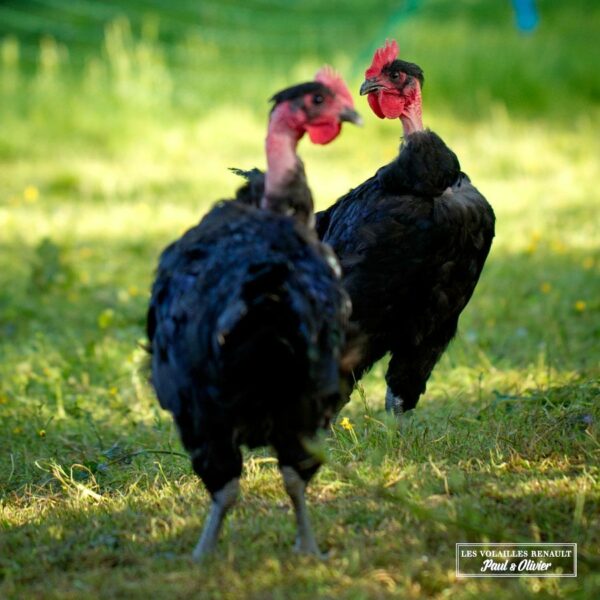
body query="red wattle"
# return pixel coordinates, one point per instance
(392, 105)
(374, 104)
(323, 133)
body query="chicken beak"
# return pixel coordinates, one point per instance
(351, 116)
(370, 85)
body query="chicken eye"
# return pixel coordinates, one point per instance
(318, 99)
(394, 75)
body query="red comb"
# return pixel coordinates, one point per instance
(333, 80)
(382, 57)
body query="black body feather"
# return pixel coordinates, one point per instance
(246, 323)
(412, 241)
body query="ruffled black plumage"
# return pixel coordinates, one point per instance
(253, 190)
(246, 324)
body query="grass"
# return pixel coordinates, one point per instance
(110, 149)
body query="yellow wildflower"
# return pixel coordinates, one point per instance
(31, 194)
(17, 430)
(42, 433)
(587, 263)
(559, 247)
(545, 287)
(133, 291)
(580, 305)
(346, 424)
(105, 318)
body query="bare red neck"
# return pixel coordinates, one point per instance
(282, 161)
(284, 178)
(412, 117)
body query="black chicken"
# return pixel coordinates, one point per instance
(412, 240)
(247, 319)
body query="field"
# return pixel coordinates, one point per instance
(117, 126)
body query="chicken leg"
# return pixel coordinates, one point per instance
(222, 501)
(295, 487)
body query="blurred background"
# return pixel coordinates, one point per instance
(119, 119)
